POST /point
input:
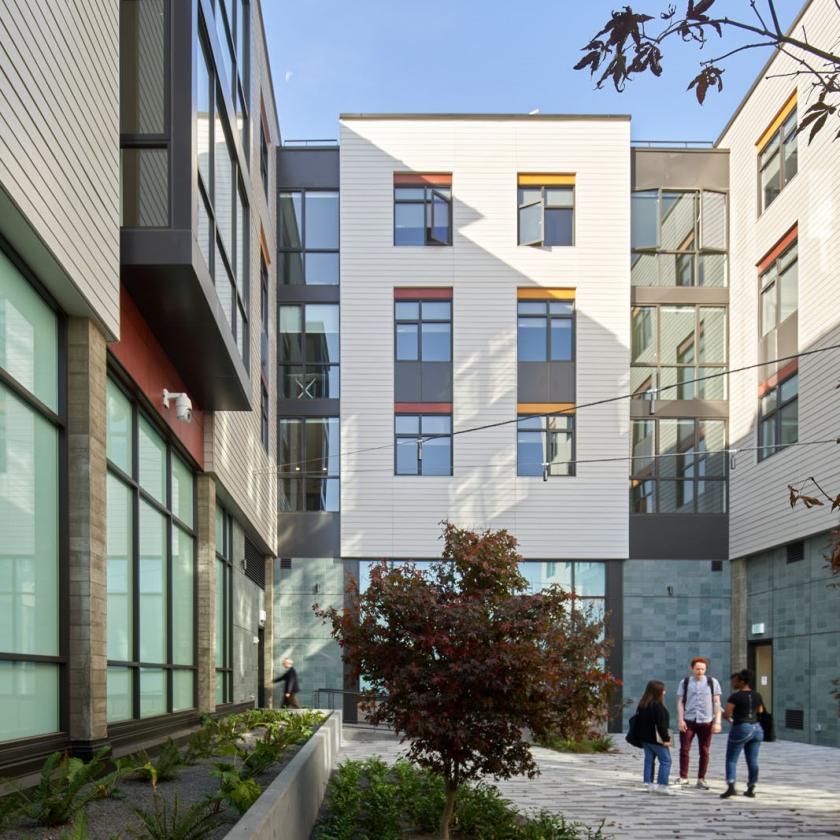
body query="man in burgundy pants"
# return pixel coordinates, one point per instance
(698, 713)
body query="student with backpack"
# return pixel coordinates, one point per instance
(650, 728)
(698, 713)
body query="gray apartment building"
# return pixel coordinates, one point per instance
(235, 371)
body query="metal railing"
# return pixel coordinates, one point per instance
(330, 141)
(674, 144)
(334, 694)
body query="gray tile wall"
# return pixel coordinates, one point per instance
(662, 631)
(800, 610)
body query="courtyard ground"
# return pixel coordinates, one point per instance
(798, 794)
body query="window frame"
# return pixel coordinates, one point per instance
(787, 132)
(771, 277)
(141, 410)
(309, 367)
(431, 192)
(775, 415)
(418, 322)
(225, 557)
(547, 434)
(549, 318)
(306, 474)
(419, 438)
(286, 251)
(520, 206)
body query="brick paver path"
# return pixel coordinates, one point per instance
(798, 794)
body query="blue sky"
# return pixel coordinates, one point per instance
(334, 56)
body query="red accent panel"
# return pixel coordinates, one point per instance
(422, 408)
(777, 377)
(423, 294)
(418, 179)
(782, 245)
(139, 352)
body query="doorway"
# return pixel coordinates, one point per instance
(761, 662)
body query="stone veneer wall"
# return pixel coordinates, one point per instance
(800, 611)
(662, 632)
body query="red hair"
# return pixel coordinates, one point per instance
(699, 659)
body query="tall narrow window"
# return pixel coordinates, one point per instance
(777, 154)
(779, 290)
(308, 237)
(224, 607)
(778, 424)
(546, 210)
(309, 464)
(422, 209)
(309, 351)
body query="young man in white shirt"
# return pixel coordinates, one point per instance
(698, 713)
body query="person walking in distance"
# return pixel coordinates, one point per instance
(743, 707)
(290, 685)
(698, 713)
(653, 720)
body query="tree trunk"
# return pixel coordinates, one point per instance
(448, 810)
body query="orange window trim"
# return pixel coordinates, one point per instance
(546, 179)
(545, 408)
(422, 179)
(532, 293)
(778, 249)
(782, 114)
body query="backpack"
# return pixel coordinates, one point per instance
(709, 681)
(632, 736)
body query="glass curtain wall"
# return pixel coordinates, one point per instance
(31, 423)
(151, 567)
(308, 238)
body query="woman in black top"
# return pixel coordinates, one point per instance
(652, 726)
(742, 710)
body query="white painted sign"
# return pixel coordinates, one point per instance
(758, 629)
(764, 680)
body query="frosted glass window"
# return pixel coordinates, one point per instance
(152, 585)
(119, 542)
(28, 335)
(220, 531)
(119, 694)
(182, 690)
(220, 688)
(119, 428)
(182, 491)
(28, 699)
(152, 461)
(28, 530)
(182, 597)
(152, 692)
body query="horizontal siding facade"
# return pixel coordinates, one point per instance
(761, 516)
(59, 148)
(583, 517)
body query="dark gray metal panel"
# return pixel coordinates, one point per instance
(435, 382)
(615, 632)
(711, 409)
(680, 169)
(561, 382)
(307, 408)
(704, 295)
(532, 382)
(407, 381)
(308, 294)
(165, 274)
(311, 534)
(183, 184)
(305, 169)
(679, 536)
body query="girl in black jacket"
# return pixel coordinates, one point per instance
(653, 720)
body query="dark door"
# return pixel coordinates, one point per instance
(261, 669)
(761, 662)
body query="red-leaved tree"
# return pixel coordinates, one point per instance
(462, 659)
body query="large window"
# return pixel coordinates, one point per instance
(264, 354)
(224, 607)
(777, 155)
(309, 351)
(778, 423)
(232, 30)
(678, 466)
(309, 464)
(672, 346)
(223, 223)
(144, 158)
(779, 290)
(31, 423)
(423, 330)
(545, 330)
(546, 210)
(545, 445)
(308, 238)
(151, 567)
(423, 444)
(422, 209)
(679, 238)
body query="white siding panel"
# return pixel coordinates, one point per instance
(384, 515)
(760, 514)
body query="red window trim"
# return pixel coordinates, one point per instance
(422, 408)
(779, 376)
(420, 179)
(433, 293)
(778, 249)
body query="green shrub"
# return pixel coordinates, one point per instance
(79, 828)
(594, 744)
(239, 791)
(163, 823)
(162, 768)
(63, 790)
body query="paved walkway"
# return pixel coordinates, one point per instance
(798, 796)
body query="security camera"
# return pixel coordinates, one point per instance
(183, 405)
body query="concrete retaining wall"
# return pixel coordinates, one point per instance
(289, 806)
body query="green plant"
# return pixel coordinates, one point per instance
(239, 791)
(63, 790)
(260, 758)
(596, 744)
(163, 823)
(79, 828)
(480, 811)
(162, 768)
(547, 826)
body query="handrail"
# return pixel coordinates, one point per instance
(684, 144)
(330, 141)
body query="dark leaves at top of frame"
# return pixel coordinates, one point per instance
(710, 76)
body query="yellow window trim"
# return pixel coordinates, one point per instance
(774, 126)
(547, 180)
(545, 408)
(545, 294)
